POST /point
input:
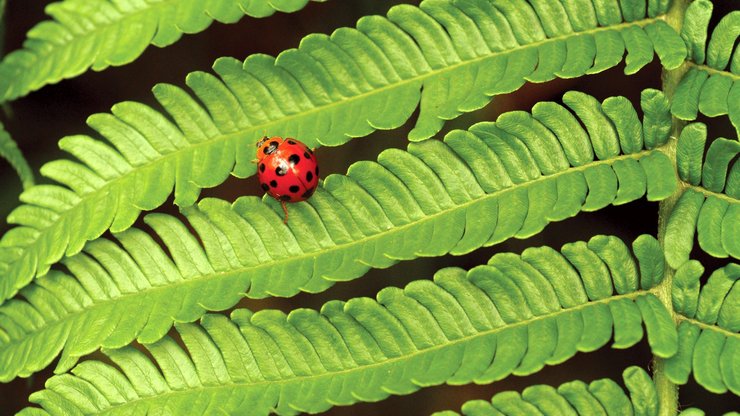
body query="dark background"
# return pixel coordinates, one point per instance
(39, 120)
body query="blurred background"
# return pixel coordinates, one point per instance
(39, 120)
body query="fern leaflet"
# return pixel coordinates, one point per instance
(712, 84)
(709, 339)
(9, 151)
(103, 33)
(710, 206)
(513, 315)
(435, 198)
(600, 397)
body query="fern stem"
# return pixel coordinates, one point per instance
(667, 391)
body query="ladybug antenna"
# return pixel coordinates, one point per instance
(261, 141)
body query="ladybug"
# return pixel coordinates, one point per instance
(287, 170)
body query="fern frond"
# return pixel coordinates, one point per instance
(709, 329)
(101, 33)
(448, 56)
(600, 397)
(710, 206)
(9, 151)
(513, 315)
(477, 188)
(712, 85)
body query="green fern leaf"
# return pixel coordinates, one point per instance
(710, 207)
(9, 151)
(710, 87)
(101, 33)
(694, 29)
(708, 333)
(448, 57)
(603, 397)
(518, 167)
(509, 316)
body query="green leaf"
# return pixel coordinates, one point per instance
(690, 151)
(670, 48)
(9, 151)
(708, 339)
(685, 103)
(692, 411)
(685, 290)
(650, 259)
(476, 326)
(719, 155)
(100, 33)
(625, 119)
(642, 391)
(245, 247)
(679, 237)
(659, 325)
(330, 89)
(710, 87)
(656, 116)
(722, 42)
(694, 28)
(715, 217)
(602, 396)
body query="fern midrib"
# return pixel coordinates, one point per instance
(706, 326)
(164, 289)
(707, 193)
(715, 71)
(264, 126)
(389, 361)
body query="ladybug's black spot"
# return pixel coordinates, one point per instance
(309, 176)
(281, 170)
(271, 148)
(308, 193)
(285, 198)
(291, 142)
(265, 186)
(294, 188)
(262, 167)
(273, 183)
(294, 159)
(306, 155)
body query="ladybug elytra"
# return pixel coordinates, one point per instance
(287, 170)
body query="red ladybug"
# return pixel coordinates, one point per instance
(287, 170)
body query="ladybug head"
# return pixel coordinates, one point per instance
(267, 146)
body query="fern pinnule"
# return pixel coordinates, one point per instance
(9, 151)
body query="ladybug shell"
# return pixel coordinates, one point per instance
(287, 169)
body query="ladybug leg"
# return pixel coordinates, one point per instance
(285, 209)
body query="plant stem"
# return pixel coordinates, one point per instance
(667, 391)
